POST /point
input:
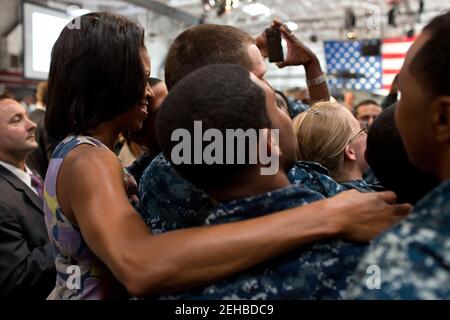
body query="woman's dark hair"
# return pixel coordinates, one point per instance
(96, 73)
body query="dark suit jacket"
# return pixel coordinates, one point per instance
(27, 267)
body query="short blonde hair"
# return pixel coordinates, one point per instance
(322, 134)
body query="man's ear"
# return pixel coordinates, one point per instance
(271, 142)
(441, 118)
(349, 153)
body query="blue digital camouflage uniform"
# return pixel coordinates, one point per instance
(413, 256)
(369, 177)
(170, 202)
(315, 177)
(318, 271)
(296, 107)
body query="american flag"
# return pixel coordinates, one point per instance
(348, 68)
(393, 55)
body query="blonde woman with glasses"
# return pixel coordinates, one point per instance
(331, 147)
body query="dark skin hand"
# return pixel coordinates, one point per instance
(298, 55)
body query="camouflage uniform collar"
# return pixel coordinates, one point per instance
(314, 166)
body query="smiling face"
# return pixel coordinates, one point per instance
(147, 135)
(16, 131)
(133, 118)
(160, 93)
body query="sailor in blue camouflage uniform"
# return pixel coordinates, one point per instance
(296, 106)
(330, 149)
(314, 176)
(369, 177)
(413, 258)
(318, 271)
(168, 201)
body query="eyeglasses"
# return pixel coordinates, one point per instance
(364, 128)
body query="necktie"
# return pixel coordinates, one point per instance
(37, 184)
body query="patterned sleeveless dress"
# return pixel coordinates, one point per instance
(80, 274)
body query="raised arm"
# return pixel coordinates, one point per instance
(183, 259)
(300, 55)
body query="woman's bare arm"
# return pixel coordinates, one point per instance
(183, 259)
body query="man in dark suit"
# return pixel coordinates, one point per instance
(26, 256)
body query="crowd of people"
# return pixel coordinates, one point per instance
(118, 216)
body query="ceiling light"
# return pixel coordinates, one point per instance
(352, 35)
(292, 26)
(257, 9)
(76, 11)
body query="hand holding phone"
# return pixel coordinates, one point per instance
(274, 47)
